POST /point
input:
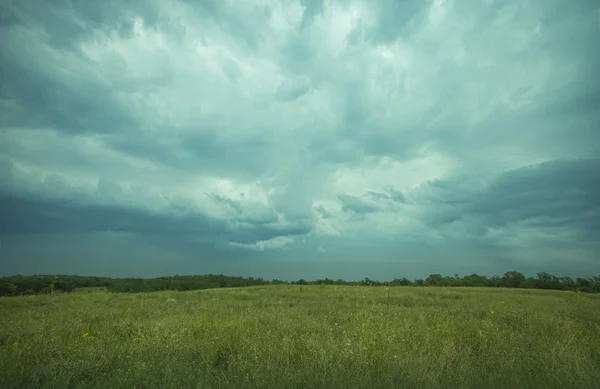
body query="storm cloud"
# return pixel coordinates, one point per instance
(303, 131)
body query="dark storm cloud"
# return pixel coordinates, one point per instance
(253, 214)
(38, 93)
(311, 8)
(42, 92)
(392, 194)
(297, 117)
(19, 215)
(66, 23)
(36, 209)
(397, 196)
(356, 204)
(324, 213)
(240, 26)
(561, 194)
(225, 201)
(394, 19)
(32, 216)
(252, 234)
(200, 148)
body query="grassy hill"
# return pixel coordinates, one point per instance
(291, 336)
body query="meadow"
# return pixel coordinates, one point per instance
(291, 336)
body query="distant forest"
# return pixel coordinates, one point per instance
(44, 284)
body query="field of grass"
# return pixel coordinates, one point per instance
(302, 337)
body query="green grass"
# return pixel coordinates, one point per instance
(302, 337)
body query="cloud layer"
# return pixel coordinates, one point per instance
(305, 129)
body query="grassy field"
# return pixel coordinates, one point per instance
(302, 337)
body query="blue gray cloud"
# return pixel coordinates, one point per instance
(304, 129)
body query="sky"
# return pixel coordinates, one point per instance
(300, 139)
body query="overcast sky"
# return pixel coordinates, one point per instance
(300, 139)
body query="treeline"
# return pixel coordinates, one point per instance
(42, 284)
(511, 279)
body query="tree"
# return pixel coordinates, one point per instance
(594, 284)
(7, 289)
(566, 283)
(495, 281)
(476, 280)
(544, 277)
(582, 284)
(545, 280)
(513, 279)
(528, 283)
(434, 279)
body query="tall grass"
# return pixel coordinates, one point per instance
(302, 337)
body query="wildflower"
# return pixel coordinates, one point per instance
(86, 335)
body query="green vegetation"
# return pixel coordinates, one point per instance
(44, 284)
(293, 336)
